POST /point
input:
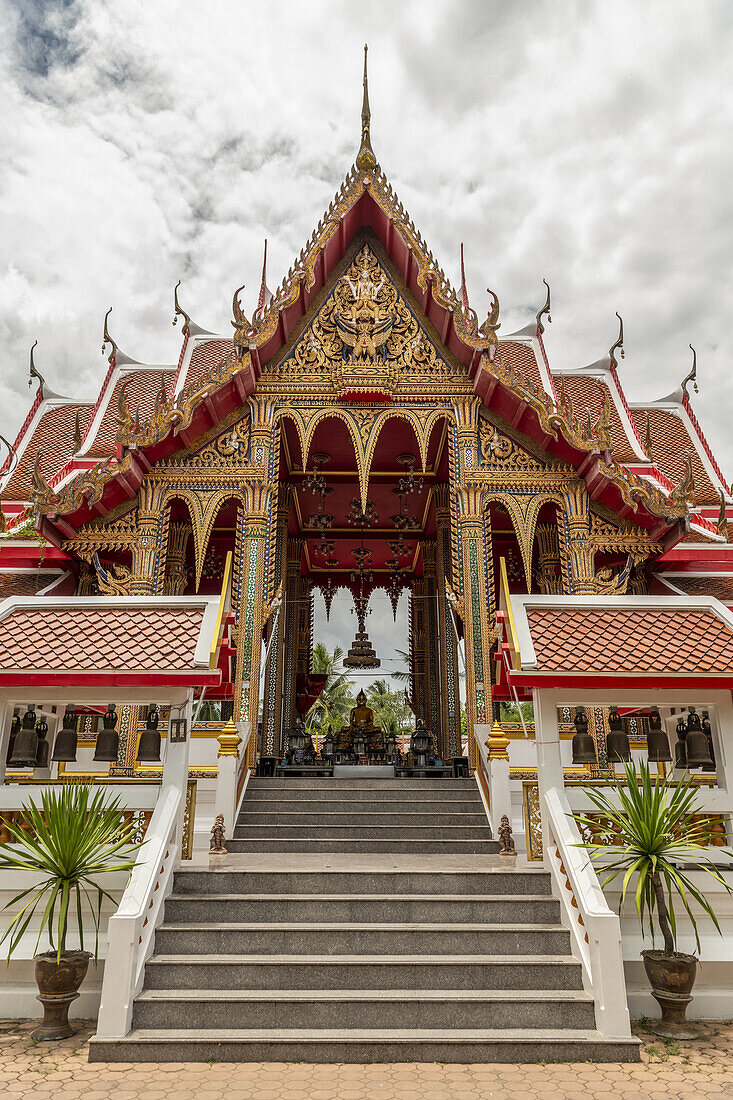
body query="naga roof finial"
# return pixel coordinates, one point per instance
(265, 296)
(648, 437)
(33, 373)
(692, 376)
(366, 160)
(108, 340)
(619, 344)
(178, 312)
(545, 310)
(241, 325)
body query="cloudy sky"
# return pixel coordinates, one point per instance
(588, 142)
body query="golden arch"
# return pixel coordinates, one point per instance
(523, 511)
(203, 508)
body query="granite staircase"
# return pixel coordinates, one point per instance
(358, 959)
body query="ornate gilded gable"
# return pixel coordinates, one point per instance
(365, 341)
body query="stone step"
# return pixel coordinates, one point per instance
(332, 831)
(339, 972)
(332, 787)
(363, 1045)
(264, 804)
(303, 818)
(363, 1008)
(189, 938)
(415, 908)
(198, 881)
(306, 844)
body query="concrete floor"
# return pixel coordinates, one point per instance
(700, 1069)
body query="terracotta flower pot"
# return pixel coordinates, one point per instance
(58, 985)
(672, 978)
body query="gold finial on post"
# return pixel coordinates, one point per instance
(722, 524)
(179, 312)
(366, 160)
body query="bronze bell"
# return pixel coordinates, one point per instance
(584, 750)
(149, 748)
(26, 742)
(708, 731)
(64, 748)
(656, 740)
(696, 743)
(680, 749)
(617, 739)
(108, 739)
(43, 749)
(14, 728)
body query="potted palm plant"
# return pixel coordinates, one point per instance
(77, 834)
(651, 832)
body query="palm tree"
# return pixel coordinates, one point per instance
(332, 706)
(403, 674)
(389, 706)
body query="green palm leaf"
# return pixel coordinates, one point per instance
(646, 830)
(77, 833)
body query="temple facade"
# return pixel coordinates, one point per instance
(363, 428)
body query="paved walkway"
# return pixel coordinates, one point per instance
(696, 1069)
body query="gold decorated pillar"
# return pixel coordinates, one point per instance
(433, 718)
(575, 542)
(291, 642)
(450, 698)
(174, 581)
(418, 657)
(253, 518)
(479, 612)
(274, 638)
(549, 573)
(148, 554)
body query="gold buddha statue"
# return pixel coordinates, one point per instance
(361, 714)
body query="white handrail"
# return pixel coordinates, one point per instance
(130, 932)
(594, 929)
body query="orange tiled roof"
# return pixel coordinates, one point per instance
(671, 443)
(712, 585)
(53, 436)
(587, 393)
(597, 639)
(141, 389)
(204, 357)
(87, 639)
(522, 359)
(24, 584)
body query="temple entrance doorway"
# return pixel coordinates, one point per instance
(365, 562)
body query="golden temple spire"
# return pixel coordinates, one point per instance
(365, 160)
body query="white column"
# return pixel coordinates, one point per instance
(175, 764)
(227, 761)
(6, 716)
(549, 761)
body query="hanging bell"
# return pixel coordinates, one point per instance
(584, 749)
(64, 748)
(43, 749)
(14, 728)
(696, 743)
(680, 749)
(108, 739)
(149, 748)
(657, 744)
(26, 742)
(708, 731)
(617, 739)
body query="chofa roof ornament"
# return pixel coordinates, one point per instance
(241, 325)
(33, 373)
(692, 376)
(545, 311)
(179, 312)
(365, 159)
(108, 340)
(618, 346)
(489, 328)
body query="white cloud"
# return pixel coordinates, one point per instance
(585, 142)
